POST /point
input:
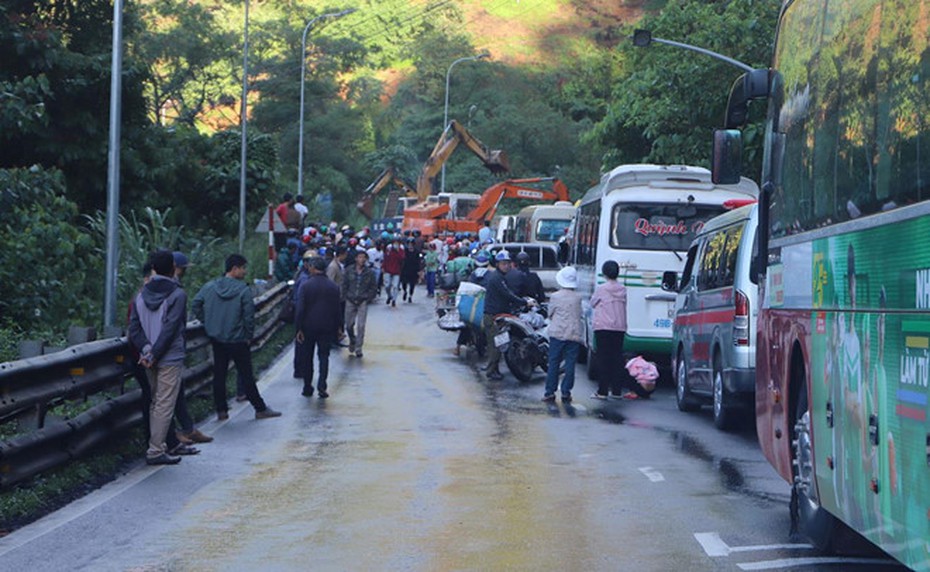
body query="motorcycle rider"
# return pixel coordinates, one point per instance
(499, 299)
(531, 284)
(470, 333)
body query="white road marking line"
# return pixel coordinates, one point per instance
(714, 546)
(792, 562)
(652, 474)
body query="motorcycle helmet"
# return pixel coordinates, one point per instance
(502, 256)
(482, 258)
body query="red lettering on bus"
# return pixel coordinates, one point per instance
(645, 228)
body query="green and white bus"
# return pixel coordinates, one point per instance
(843, 353)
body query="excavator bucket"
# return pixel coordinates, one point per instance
(366, 206)
(497, 162)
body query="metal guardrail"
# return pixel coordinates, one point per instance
(95, 372)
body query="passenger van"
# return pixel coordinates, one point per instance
(544, 223)
(714, 346)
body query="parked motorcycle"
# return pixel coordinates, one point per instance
(524, 341)
(449, 318)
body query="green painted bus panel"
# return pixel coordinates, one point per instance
(644, 345)
(872, 368)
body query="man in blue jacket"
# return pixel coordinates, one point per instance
(498, 300)
(226, 308)
(156, 328)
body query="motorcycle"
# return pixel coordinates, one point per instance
(449, 318)
(524, 341)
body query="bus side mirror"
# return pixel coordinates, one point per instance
(670, 281)
(727, 157)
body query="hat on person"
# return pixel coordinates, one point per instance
(180, 261)
(502, 256)
(567, 277)
(309, 254)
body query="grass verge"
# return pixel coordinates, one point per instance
(33, 499)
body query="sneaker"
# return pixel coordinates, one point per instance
(351, 349)
(163, 459)
(358, 352)
(495, 375)
(616, 396)
(183, 438)
(596, 395)
(182, 449)
(307, 392)
(549, 397)
(566, 398)
(267, 413)
(241, 398)
(196, 436)
(323, 395)
(222, 415)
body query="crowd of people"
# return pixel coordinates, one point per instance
(338, 272)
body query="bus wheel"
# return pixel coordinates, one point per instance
(723, 415)
(686, 401)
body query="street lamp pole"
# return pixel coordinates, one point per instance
(303, 71)
(243, 126)
(116, 88)
(445, 113)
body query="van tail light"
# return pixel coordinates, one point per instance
(741, 320)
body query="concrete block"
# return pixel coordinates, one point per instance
(80, 335)
(31, 348)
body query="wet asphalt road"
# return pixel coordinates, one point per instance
(418, 463)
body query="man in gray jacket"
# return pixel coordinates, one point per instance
(359, 287)
(156, 327)
(226, 308)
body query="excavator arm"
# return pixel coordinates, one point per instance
(494, 159)
(509, 189)
(367, 202)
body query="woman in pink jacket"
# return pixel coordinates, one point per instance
(609, 306)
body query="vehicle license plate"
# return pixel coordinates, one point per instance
(502, 339)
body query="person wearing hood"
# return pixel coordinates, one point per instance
(609, 306)
(227, 310)
(566, 334)
(156, 329)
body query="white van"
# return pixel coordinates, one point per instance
(713, 334)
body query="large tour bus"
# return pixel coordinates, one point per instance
(543, 223)
(843, 358)
(644, 217)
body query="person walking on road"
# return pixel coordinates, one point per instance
(392, 265)
(336, 272)
(227, 310)
(431, 265)
(609, 306)
(565, 334)
(156, 328)
(317, 321)
(410, 273)
(497, 300)
(359, 287)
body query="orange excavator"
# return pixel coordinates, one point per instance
(367, 202)
(492, 197)
(429, 208)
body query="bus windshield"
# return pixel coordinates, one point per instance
(657, 226)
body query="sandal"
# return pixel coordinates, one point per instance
(183, 449)
(629, 395)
